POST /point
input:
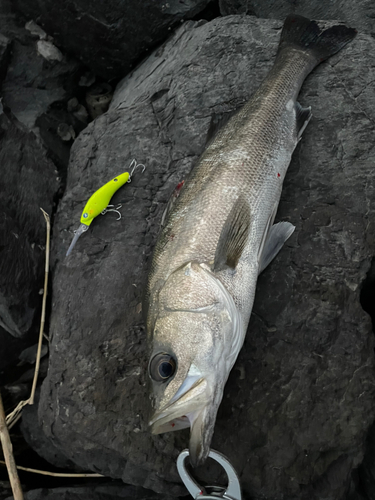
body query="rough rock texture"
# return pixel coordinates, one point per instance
(29, 181)
(121, 31)
(37, 440)
(106, 491)
(360, 15)
(300, 398)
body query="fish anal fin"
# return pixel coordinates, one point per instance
(276, 237)
(233, 236)
(303, 116)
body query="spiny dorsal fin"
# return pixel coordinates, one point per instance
(233, 236)
(303, 116)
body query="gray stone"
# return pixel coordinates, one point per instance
(29, 181)
(360, 15)
(300, 398)
(38, 441)
(119, 31)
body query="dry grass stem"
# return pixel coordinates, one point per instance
(42, 321)
(8, 455)
(57, 474)
(13, 417)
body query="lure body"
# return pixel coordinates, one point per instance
(101, 198)
(98, 202)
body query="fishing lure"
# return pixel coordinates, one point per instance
(98, 203)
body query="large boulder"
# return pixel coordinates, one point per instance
(29, 182)
(109, 37)
(300, 398)
(361, 16)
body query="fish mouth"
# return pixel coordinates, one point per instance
(187, 408)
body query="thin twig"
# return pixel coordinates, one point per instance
(8, 455)
(16, 413)
(56, 474)
(42, 321)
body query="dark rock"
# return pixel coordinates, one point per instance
(38, 441)
(5, 45)
(5, 489)
(106, 491)
(367, 469)
(300, 398)
(29, 181)
(33, 84)
(11, 347)
(29, 354)
(109, 37)
(361, 16)
(34, 88)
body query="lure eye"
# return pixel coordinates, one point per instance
(162, 367)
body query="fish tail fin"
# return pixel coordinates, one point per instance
(321, 43)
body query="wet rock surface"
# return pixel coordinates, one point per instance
(121, 31)
(29, 181)
(300, 398)
(360, 16)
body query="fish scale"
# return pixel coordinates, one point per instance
(219, 235)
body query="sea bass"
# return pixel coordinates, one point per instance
(218, 237)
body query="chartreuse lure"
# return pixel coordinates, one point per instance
(98, 203)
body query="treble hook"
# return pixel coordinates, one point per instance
(135, 165)
(111, 208)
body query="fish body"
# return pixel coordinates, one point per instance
(219, 235)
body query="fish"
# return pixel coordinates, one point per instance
(220, 234)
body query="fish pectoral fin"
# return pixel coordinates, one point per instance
(303, 116)
(233, 236)
(276, 237)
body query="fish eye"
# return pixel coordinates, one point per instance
(162, 367)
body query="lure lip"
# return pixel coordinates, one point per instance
(82, 229)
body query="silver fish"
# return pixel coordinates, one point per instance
(218, 237)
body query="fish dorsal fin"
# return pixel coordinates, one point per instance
(233, 236)
(303, 116)
(276, 237)
(218, 121)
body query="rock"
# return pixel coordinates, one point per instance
(47, 50)
(362, 17)
(29, 354)
(36, 30)
(98, 99)
(38, 441)
(66, 132)
(109, 37)
(9, 352)
(35, 89)
(300, 398)
(5, 489)
(28, 183)
(367, 469)
(5, 45)
(105, 491)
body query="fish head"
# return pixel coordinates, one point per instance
(192, 354)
